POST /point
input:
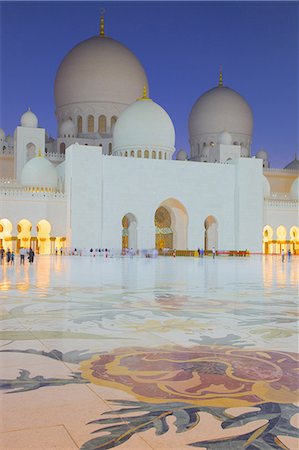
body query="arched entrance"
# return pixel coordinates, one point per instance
(267, 239)
(211, 233)
(294, 242)
(164, 233)
(171, 222)
(129, 231)
(5, 233)
(43, 229)
(24, 228)
(281, 236)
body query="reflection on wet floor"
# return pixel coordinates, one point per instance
(207, 348)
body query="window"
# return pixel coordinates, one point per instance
(139, 154)
(112, 122)
(102, 128)
(62, 148)
(132, 153)
(79, 124)
(90, 124)
(154, 154)
(146, 154)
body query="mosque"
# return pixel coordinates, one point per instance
(110, 180)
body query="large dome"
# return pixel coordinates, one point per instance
(144, 125)
(99, 69)
(221, 108)
(39, 172)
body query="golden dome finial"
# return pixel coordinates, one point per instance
(144, 93)
(39, 154)
(102, 22)
(220, 83)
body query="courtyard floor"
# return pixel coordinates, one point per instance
(143, 354)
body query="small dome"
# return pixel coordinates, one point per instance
(225, 138)
(144, 124)
(262, 154)
(2, 135)
(295, 189)
(39, 172)
(182, 155)
(29, 119)
(67, 129)
(293, 165)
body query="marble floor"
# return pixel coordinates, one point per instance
(143, 354)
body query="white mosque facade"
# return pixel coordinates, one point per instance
(110, 181)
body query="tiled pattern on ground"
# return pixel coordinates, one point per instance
(144, 354)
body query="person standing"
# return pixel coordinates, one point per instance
(12, 257)
(289, 255)
(8, 256)
(31, 256)
(22, 255)
(282, 255)
(213, 252)
(2, 255)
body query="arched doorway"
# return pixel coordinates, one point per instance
(5, 233)
(43, 229)
(164, 233)
(129, 231)
(294, 243)
(171, 222)
(211, 233)
(281, 236)
(267, 239)
(24, 228)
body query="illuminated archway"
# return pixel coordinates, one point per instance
(171, 222)
(211, 233)
(43, 229)
(5, 233)
(294, 243)
(267, 239)
(24, 228)
(129, 231)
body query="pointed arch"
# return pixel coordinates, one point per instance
(211, 232)
(129, 231)
(171, 222)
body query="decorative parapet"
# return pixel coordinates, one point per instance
(8, 151)
(280, 196)
(279, 203)
(10, 182)
(52, 156)
(23, 194)
(282, 171)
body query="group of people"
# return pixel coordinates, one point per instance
(201, 252)
(283, 255)
(9, 255)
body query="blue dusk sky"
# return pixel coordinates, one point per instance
(181, 46)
